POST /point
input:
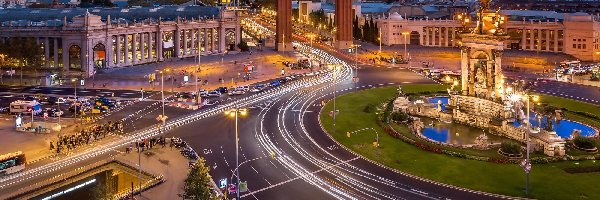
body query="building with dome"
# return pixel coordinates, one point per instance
(576, 34)
(81, 41)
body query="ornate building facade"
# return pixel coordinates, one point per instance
(576, 34)
(86, 40)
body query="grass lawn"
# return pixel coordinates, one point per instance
(420, 88)
(547, 181)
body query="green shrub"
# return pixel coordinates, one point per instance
(243, 46)
(584, 142)
(510, 148)
(370, 108)
(399, 116)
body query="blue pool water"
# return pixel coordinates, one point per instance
(435, 100)
(564, 128)
(452, 133)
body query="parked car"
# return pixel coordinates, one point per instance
(245, 88)
(203, 93)
(275, 83)
(214, 93)
(237, 91)
(259, 87)
(222, 90)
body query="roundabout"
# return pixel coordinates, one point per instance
(548, 181)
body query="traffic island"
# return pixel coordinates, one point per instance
(547, 181)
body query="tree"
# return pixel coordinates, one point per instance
(197, 184)
(366, 31)
(101, 192)
(356, 32)
(584, 142)
(243, 46)
(510, 148)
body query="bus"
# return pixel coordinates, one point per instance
(21, 106)
(12, 162)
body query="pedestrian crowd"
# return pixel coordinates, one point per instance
(86, 136)
(146, 144)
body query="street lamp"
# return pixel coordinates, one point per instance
(405, 35)
(234, 113)
(74, 81)
(527, 164)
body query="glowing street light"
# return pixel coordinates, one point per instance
(234, 113)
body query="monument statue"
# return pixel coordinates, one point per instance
(485, 4)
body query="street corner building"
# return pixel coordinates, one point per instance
(85, 40)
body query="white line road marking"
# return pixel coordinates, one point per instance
(254, 169)
(298, 177)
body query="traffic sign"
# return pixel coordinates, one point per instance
(45, 115)
(82, 82)
(244, 186)
(525, 165)
(232, 188)
(223, 183)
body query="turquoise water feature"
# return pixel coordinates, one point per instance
(452, 133)
(442, 99)
(564, 128)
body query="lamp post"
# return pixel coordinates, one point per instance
(74, 81)
(527, 164)
(405, 52)
(235, 114)
(379, 41)
(196, 76)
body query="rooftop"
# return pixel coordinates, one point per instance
(167, 13)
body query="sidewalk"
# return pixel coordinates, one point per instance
(268, 65)
(165, 161)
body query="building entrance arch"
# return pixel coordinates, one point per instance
(99, 56)
(230, 40)
(75, 57)
(414, 38)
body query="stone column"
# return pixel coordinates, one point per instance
(192, 42)
(446, 37)
(65, 56)
(142, 47)
(283, 24)
(150, 46)
(222, 39)
(434, 36)
(547, 39)
(176, 42)
(118, 49)
(453, 37)
(108, 51)
(185, 42)
(539, 47)
(126, 39)
(55, 52)
(343, 20)
(134, 45)
(464, 66)
(213, 36)
(523, 39)
(532, 40)
(47, 52)
(556, 40)
(426, 37)
(159, 46)
(206, 40)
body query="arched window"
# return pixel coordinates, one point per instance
(75, 57)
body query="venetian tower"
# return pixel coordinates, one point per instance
(481, 54)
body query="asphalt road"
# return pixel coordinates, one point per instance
(307, 163)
